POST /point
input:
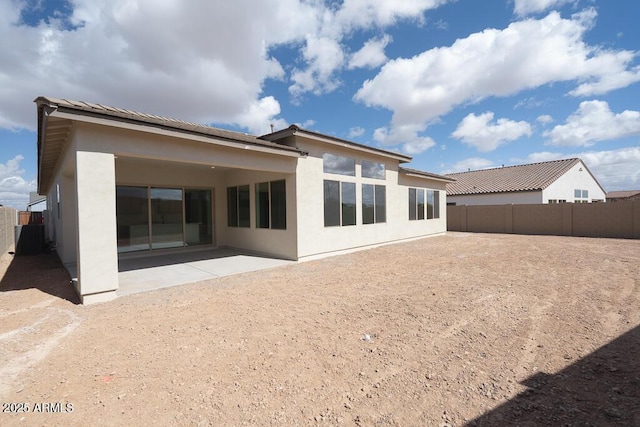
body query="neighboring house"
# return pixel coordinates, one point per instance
(617, 196)
(119, 182)
(37, 203)
(558, 181)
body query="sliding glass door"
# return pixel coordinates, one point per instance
(157, 218)
(132, 213)
(166, 218)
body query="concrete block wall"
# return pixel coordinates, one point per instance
(8, 221)
(616, 220)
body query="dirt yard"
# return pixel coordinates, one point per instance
(462, 329)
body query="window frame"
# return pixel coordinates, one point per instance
(241, 217)
(378, 211)
(338, 158)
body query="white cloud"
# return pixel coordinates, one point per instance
(323, 53)
(528, 7)
(525, 55)
(14, 189)
(545, 119)
(407, 136)
(324, 57)
(485, 134)
(593, 122)
(356, 131)
(371, 55)
(470, 164)
(545, 156)
(209, 67)
(614, 169)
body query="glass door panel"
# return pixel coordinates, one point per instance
(132, 218)
(197, 215)
(166, 218)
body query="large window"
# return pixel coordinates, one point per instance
(374, 204)
(238, 210)
(433, 204)
(341, 165)
(339, 203)
(417, 204)
(372, 170)
(420, 202)
(271, 205)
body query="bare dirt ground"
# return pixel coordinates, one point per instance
(463, 329)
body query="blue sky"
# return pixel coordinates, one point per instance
(457, 84)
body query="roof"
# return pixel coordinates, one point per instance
(622, 194)
(297, 130)
(55, 118)
(529, 177)
(152, 119)
(423, 174)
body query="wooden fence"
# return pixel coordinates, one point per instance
(8, 221)
(618, 220)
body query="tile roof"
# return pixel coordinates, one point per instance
(529, 177)
(622, 194)
(153, 119)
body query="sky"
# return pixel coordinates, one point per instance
(456, 84)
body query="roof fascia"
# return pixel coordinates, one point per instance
(415, 175)
(98, 119)
(336, 141)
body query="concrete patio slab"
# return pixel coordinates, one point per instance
(157, 271)
(161, 271)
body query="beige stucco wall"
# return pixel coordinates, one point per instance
(314, 238)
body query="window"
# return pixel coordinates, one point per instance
(585, 194)
(348, 203)
(552, 201)
(372, 170)
(339, 203)
(577, 193)
(433, 204)
(238, 211)
(58, 199)
(341, 165)
(420, 201)
(413, 209)
(417, 204)
(271, 205)
(374, 204)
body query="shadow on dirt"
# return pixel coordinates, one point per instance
(602, 389)
(44, 272)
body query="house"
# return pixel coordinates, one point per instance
(37, 203)
(618, 196)
(557, 181)
(121, 183)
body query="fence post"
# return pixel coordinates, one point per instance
(508, 219)
(567, 219)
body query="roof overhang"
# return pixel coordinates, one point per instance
(426, 175)
(297, 131)
(55, 124)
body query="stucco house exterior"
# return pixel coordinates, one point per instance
(557, 181)
(121, 183)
